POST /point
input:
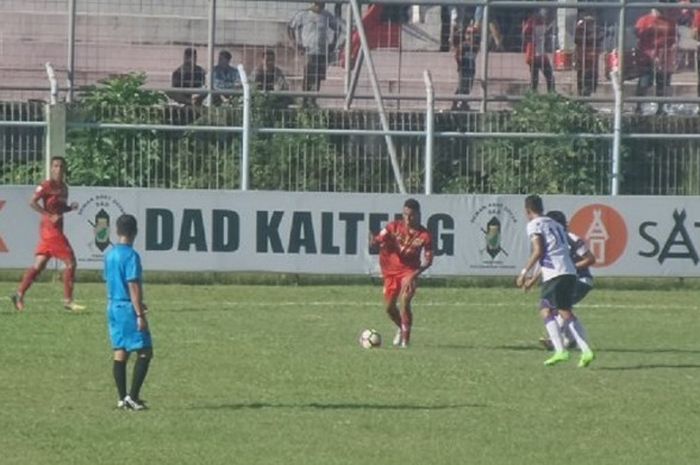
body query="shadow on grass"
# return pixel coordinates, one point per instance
(537, 348)
(651, 366)
(333, 406)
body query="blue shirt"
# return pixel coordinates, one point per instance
(122, 265)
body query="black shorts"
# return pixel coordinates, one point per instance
(558, 292)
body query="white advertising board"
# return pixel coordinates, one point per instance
(483, 235)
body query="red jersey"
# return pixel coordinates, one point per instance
(534, 37)
(54, 196)
(400, 249)
(656, 39)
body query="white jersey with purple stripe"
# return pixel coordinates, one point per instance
(556, 259)
(578, 249)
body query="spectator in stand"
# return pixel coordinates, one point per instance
(267, 76)
(188, 76)
(463, 16)
(534, 39)
(656, 49)
(226, 77)
(588, 37)
(314, 32)
(465, 55)
(466, 43)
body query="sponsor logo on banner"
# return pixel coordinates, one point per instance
(495, 221)
(99, 212)
(678, 244)
(603, 229)
(3, 247)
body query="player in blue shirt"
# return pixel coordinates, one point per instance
(126, 313)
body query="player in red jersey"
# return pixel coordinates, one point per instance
(401, 243)
(50, 200)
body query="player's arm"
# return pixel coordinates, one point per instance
(427, 254)
(384, 235)
(136, 296)
(536, 242)
(532, 280)
(36, 206)
(587, 260)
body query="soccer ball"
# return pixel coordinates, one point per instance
(370, 339)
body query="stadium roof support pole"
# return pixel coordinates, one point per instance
(352, 86)
(71, 49)
(484, 45)
(429, 130)
(377, 95)
(211, 41)
(348, 49)
(619, 101)
(245, 139)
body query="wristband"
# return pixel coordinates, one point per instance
(523, 272)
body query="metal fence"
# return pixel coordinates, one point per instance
(89, 40)
(330, 148)
(338, 151)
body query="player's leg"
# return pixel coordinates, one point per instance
(578, 332)
(33, 272)
(408, 288)
(69, 284)
(391, 294)
(64, 252)
(552, 328)
(545, 340)
(131, 339)
(117, 324)
(582, 289)
(565, 293)
(140, 342)
(143, 360)
(550, 291)
(119, 373)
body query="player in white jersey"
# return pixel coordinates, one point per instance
(550, 249)
(583, 259)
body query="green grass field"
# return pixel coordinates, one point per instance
(274, 375)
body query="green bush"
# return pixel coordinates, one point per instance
(562, 165)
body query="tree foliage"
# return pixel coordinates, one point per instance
(101, 157)
(560, 165)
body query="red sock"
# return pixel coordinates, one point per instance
(29, 276)
(406, 322)
(68, 280)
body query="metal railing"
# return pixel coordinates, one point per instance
(335, 150)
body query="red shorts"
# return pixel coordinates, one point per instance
(393, 284)
(57, 247)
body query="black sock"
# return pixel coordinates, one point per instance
(119, 371)
(140, 370)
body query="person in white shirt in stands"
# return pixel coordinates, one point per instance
(315, 33)
(550, 249)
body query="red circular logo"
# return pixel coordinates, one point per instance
(603, 229)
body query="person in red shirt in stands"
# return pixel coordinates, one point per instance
(50, 200)
(401, 244)
(534, 39)
(656, 47)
